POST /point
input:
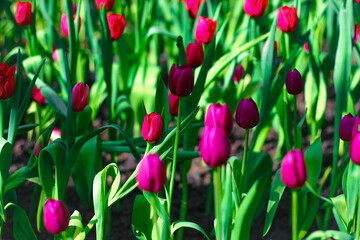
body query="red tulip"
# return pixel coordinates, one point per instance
(23, 13)
(238, 73)
(38, 96)
(287, 19)
(275, 46)
(109, 4)
(173, 104)
(56, 217)
(255, 8)
(116, 25)
(7, 81)
(356, 35)
(80, 96)
(181, 80)
(194, 54)
(152, 127)
(192, 7)
(293, 170)
(247, 114)
(65, 24)
(205, 30)
(219, 115)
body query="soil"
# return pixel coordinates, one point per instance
(198, 179)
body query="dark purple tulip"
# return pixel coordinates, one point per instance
(214, 146)
(194, 54)
(173, 104)
(293, 169)
(181, 80)
(152, 173)
(346, 127)
(238, 73)
(219, 115)
(152, 127)
(247, 114)
(56, 216)
(294, 82)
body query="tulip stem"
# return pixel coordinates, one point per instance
(241, 187)
(155, 216)
(218, 199)
(358, 219)
(296, 144)
(294, 194)
(177, 138)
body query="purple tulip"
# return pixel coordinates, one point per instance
(238, 73)
(56, 216)
(152, 173)
(80, 97)
(214, 146)
(293, 169)
(294, 82)
(173, 104)
(181, 80)
(194, 54)
(247, 114)
(152, 127)
(346, 127)
(219, 115)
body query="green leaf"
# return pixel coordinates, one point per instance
(182, 224)
(22, 228)
(76, 221)
(310, 214)
(157, 30)
(141, 223)
(162, 104)
(329, 235)
(226, 206)
(341, 211)
(313, 159)
(352, 191)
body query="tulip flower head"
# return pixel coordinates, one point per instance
(55, 134)
(306, 47)
(238, 73)
(65, 24)
(116, 24)
(357, 1)
(219, 115)
(247, 114)
(181, 80)
(194, 54)
(151, 176)
(38, 96)
(56, 217)
(80, 96)
(152, 127)
(294, 82)
(192, 7)
(288, 19)
(23, 13)
(55, 54)
(214, 146)
(205, 30)
(293, 170)
(356, 34)
(109, 4)
(173, 104)
(354, 151)
(346, 127)
(255, 8)
(7, 81)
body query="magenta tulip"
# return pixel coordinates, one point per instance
(288, 19)
(356, 34)
(205, 30)
(109, 4)
(80, 97)
(219, 115)
(7, 81)
(293, 169)
(192, 7)
(255, 8)
(65, 24)
(247, 114)
(56, 216)
(38, 96)
(238, 73)
(354, 152)
(116, 24)
(23, 13)
(346, 127)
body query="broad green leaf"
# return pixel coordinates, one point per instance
(76, 222)
(182, 224)
(22, 228)
(162, 104)
(329, 235)
(158, 30)
(342, 211)
(313, 159)
(352, 191)
(141, 223)
(310, 214)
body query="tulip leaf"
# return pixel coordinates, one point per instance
(5, 162)
(76, 222)
(182, 224)
(313, 159)
(352, 191)
(329, 234)
(226, 207)
(22, 228)
(340, 211)
(162, 104)
(277, 190)
(141, 223)
(310, 214)
(158, 30)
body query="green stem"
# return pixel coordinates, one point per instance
(243, 163)
(183, 208)
(358, 219)
(218, 199)
(176, 145)
(209, 194)
(294, 194)
(296, 144)
(148, 147)
(287, 44)
(2, 118)
(286, 123)
(154, 217)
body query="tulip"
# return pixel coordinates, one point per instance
(80, 96)
(55, 134)
(23, 13)
(219, 115)
(65, 24)
(238, 73)
(38, 96)
(275, 46)
(356, 34)
(7, 81)
(205, 30)
(56, 217)
(346, 127)
(54, 54)
(151, 176)
(116, 25)
(294, 82)
(39, 145)
(287, 19)
(306, 47)
(192, 7)
(152, 127)
(109, 4)
(173, 104)
(357, 1)
(354, 151)
(293, 169)
(247, 114)
(181, 80)
(255, 8)
(194, 54)
(214, 146)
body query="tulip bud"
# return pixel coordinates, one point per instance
(152, 127)
(54, 54)
(38, 96)
(238, 73)
(356, 34)
(275, 46)
(205, 30)
(287, 19)
(56, 217)
(294, 82)
(194, 54)
(65, 24)
(192, 7)
(255, 8)
(23, 13)
(152, 173)
(214, 146)
(219, 115)
(247, 114)
(293, 169)
(109, 4)
(354, 151)
(39, 145)
(55, 134)
(346, 127)
(7, 81)
(116, 24)
(173, 104)
(306, 47)
(80, 96)
(181, 80)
